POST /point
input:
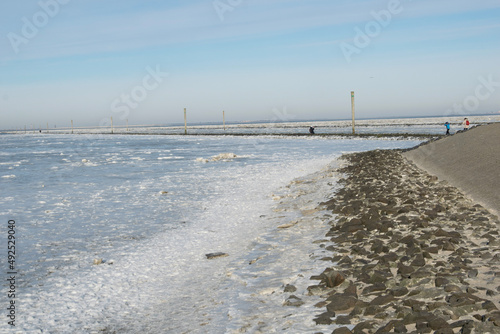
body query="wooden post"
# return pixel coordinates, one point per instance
(224, 120)
(185, 123)
(71, 126)
(127, 124)
(352, 110)
(111, 124)
(47, 126)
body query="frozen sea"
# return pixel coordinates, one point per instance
(150, 207)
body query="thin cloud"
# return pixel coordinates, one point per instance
(83, 29)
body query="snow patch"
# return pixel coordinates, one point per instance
(220, 157)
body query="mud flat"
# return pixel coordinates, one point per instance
(410, 252)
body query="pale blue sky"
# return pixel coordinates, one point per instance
(90, 60)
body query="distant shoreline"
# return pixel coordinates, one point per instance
(362, 122)
(273, 135)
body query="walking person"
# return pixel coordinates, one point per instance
(447, 128)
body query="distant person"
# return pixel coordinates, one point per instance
(311, 130)
(466, 124)
(447, 128)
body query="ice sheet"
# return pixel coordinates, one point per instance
(151, 221)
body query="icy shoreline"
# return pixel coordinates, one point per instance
(424, 125)
(151, 210)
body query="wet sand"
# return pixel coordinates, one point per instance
(410, 252)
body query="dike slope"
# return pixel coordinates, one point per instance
(468, 160)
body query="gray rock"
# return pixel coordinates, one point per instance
(438, 323)
(398, 292)
(452, 288)
(392, 325)
(373, 309)
(211, 256)
(419, 261)
(293, 301)
(324, 318)
(489, 306)
(472, 273)
(441, 281)
(375, 287)
(378, 277)
(342, 330)
(405, 271)
(418, 317)
(362, 326)
(341, 302)
(351, 290)
(444, 331)
(332, 278)
(490, 293)
(382, 300)
(343, 320)
(460, 299)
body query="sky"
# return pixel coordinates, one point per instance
(144, 61)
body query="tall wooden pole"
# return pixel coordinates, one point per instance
(185, 123)
(224, 120)
(71, 126)
(352, 110)
(111, 124)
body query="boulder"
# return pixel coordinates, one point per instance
(211, 256)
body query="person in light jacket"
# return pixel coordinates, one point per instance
(466, 124)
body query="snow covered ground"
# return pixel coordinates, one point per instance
(150, 208)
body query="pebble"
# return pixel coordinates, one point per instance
(211, 256)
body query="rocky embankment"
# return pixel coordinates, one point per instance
(410, 254)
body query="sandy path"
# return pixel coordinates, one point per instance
(468, 160)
